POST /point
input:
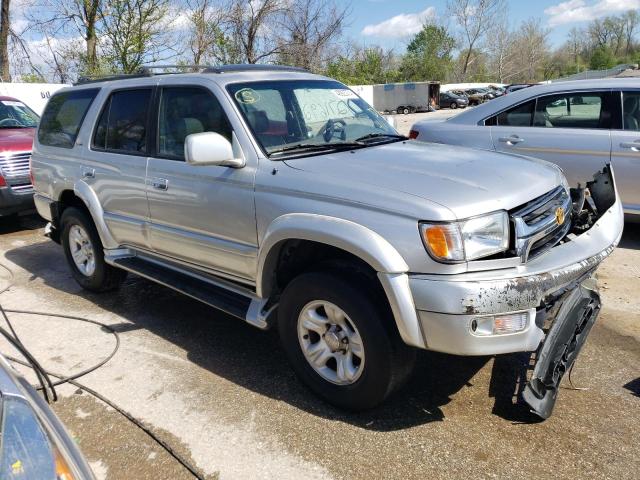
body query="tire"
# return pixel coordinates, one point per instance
(406, 110)
(454, 105)
(385, 362)
(94, 275)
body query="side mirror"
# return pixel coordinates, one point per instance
(391, 120)
(210, 148)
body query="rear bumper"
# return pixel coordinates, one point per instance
(14, 202)
(447, 305)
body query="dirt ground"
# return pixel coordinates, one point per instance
(221, 393)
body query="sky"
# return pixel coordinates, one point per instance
(390, 23)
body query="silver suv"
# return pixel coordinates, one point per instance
(283, 199)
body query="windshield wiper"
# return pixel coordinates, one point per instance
(317, 146)
(381, 135)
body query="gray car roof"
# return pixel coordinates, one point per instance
(222, 79)
(494, 106)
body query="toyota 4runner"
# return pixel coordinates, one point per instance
(283, 199)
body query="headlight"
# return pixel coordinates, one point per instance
(468, 239)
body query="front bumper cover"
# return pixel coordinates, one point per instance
(576, 315)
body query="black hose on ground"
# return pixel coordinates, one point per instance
(48, 387)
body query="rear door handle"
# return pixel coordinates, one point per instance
(160, 183)
(88, 172)
(635, 146)
(511, 140)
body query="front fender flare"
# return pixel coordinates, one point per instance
(351, 237)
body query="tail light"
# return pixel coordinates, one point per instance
(3, 182)
(413, 134)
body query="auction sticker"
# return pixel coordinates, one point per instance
(247, 96)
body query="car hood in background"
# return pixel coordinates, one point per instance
(16, 139)
(468, 182)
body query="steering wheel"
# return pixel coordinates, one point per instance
(332, 127)
(9, 122)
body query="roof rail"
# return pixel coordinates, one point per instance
(104, 78)
(150, 70)
(253, 67)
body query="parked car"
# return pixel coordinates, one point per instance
(517, 86)
(35, 444)
(453, 101)
(496, 90)
(283, 199)
(17, 127)
(483, 92)
(472, 98)
(579, 126)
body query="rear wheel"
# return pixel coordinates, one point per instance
(85, 256)
(454, 105)
(340, 342)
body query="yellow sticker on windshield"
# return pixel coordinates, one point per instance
(247, 96)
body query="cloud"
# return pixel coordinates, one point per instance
(401, 25)
(573, 11)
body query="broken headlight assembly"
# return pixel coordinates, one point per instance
(466, 240)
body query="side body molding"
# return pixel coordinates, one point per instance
(90, 199)
(353, 238)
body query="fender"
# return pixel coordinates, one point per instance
(355, 239)
(84, 192)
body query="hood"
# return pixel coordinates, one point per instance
(16, 139)
(467, 181)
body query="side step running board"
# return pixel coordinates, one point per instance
(245, 307)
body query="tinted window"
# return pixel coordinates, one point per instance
(519, 116)
(631, 111)
(184, 111)
(122, 126)
(63, 117)
(571, 110)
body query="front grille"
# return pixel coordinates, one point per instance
(536, 224)
(22, 188)
(15, 164)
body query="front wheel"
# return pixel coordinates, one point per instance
(454, 105)
(340, 343)
(83, 250)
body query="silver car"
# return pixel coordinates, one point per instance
(580, 126)
(283, 199)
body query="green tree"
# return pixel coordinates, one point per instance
(428, 55)
(602, 58)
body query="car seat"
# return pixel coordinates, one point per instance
(631, 113)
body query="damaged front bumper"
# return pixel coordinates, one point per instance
(451, 307)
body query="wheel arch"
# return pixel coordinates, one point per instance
(353, 239)
(83, 196)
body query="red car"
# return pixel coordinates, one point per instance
(17, 127)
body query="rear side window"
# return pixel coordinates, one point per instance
(122, 126)
(572, 110)
(63, 116)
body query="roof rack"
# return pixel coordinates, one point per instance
(253, 67)
(150, 70)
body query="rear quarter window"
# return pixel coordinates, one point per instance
(63, 116)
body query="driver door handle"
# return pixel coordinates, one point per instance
(511, 140)
(160, 183)
(635, 145)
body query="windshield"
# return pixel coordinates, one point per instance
(317, 115)
(15, 114)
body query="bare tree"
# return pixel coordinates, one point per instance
(70, 16)
(499, 46)
(631, 20)
(311, 27)
(205, 29)
(575, 43)
(531, 50)
(252, 26)
(5, 26)
(136, 32)
(475, 18)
